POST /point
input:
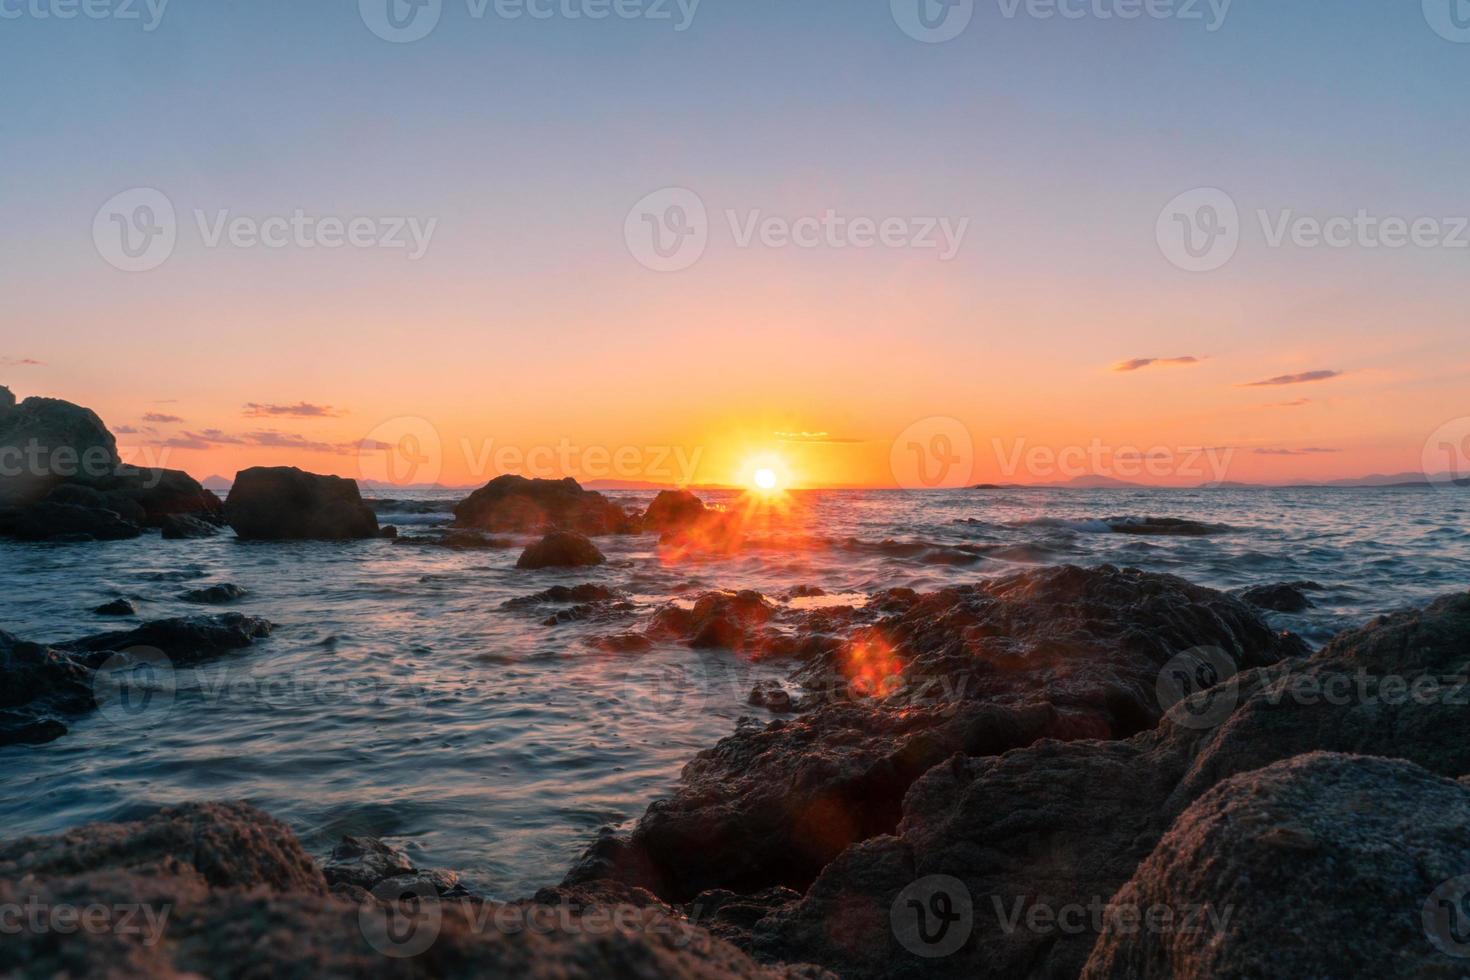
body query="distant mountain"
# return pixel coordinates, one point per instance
(380, 485)
(1408, 480)
(216, 482)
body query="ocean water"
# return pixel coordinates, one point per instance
(398, 698)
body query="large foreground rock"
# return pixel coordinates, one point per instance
(1062, 653)
(277, 503)
(1060, 825)
(1314, 867)
(223, 890)
(45, 442)
(514, 503)
(561, 549)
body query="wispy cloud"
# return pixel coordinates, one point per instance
(301, 410)
(267, 438)
(20, 362)
(160, 418)
(1294, 403)
(815, 437)
(1139, 363)
(1293, 379)
(1309, 451)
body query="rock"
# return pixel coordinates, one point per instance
(673, 509)
(364, 861)
(90, 498)
(771, 696)
(1286, 597)
(47, 521)
(514, 503)
(388, 531)
(117, 607)
(1062, 653)
(587, 593)
(215, 594)
(284, 503)
(161, 494)
(224, 890)
(1169, 526)
(7, 401)
(177, 527)
(561, 549)
(54, 442)
(721, 620)
(185, 640)
(1322, 865)
(1067, 824)
(229, 845)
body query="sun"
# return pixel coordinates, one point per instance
(765, 479)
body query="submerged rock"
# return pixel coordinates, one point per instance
(178, 527)
(215, 595)
(514, 503)
(1174, 526)
(284, 503)
(1286, 597)
(117, 607)
(561, 549)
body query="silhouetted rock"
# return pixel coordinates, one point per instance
(514, 503)
(183, 527)
(283, 503)
(364, 861)
(51, 442)
(7, 401)
(673, 509)
(161, 494)
(117, 607)
(47, 521)
(215, 594)
(1318, 866)
(1062, 653)
(561, 549)
(720, 620)
(1287, 597)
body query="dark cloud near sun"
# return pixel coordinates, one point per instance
(301, 410)
(1293, 379)
(1139, 363)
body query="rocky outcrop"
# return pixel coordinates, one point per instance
(673, 509)
(561, 549)
(1323, 865)
(41, 686)
(67, 523)
(45, 442)
(1062, 653)
(161, 494)
(1065, 825)
(215, 595)
(278, 503)
(514, 503)
(117, 607)
(224, 890)
(181, 527)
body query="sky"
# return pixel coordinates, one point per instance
(681, 242)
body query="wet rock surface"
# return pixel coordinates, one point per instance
(182, 527)
(561, 549)
(514, 503)
(1164, 526)
(1062, 653)
(1286, 597)
(41, 687)
(225, 890)
(117, 607)
(279, 503)
(215, 595)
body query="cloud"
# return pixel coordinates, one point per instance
(20, 362)
(267, 438)
(1293, 379)
(301, 410)
(1294, 403)
(1139, 363)
(126, 430)
(161, 419)
(813, 437)
(1309, 451)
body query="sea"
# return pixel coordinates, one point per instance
(399, 697)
